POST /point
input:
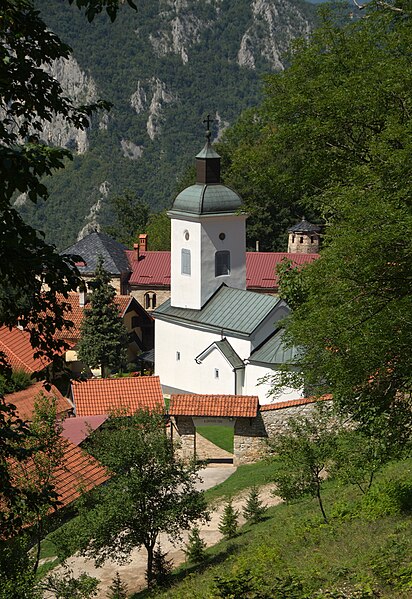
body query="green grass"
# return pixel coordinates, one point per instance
(244, 477)
(222, 436)
(292, 554)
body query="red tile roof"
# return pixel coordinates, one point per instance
(15, 343)
(261, 267)
(243, 406)
(77, 311)
(25, 400)
(294, 402)
(78, 429)
(78, 473)
(103, 396)
(153, 268)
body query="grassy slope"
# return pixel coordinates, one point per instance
(294, 551)
(222, 436)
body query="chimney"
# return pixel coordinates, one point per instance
(82, 298)
(136, 251)
(143, 242)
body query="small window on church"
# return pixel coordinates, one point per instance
(146, 301)
(312, 239)
(301, 240)
(186, 262)
(178, 356)
(216, 373)
(222, 263)
(153, 301)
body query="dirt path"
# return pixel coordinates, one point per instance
(133, 573)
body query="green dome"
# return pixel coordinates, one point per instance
(207, 199)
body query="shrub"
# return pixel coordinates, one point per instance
(195, 548)
(254, 509)
(228, 524)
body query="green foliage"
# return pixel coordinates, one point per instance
(305, 451)
(228, 524)
(66, 586)
(195, 546)
(16, 380)
(103, 336)
(254, 509)
(230, 587)
(358, 457)
(158, 232)
(387, 499)
(118, 588)
(335, 133)
(291, 284)
(152, 491)
(162, 568)
(392, 564)
(117, 58)
(130, 217)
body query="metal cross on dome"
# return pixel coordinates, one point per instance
(208, 121)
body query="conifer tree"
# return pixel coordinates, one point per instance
(103, 336)
(118, 588)
(229, 521)
(254, 508)
(162, 567)
(195, 547)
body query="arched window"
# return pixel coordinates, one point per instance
(301, 240)
(222, 263)
(185, 266)
(150, 300)
(147, 300)
(153, 301)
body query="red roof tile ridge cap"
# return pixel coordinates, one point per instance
(295, 402)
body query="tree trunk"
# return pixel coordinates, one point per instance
(320, 501)
(149, 570)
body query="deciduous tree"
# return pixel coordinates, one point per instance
(153, 491)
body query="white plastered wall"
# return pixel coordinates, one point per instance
(192, 291)
(253, 386)
(185, 374)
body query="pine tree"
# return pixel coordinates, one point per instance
(103, 336)
(254, 509)
(195, 547)
(162, 567)
(118, 588)
(229, 521)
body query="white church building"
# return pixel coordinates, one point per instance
(212, 336)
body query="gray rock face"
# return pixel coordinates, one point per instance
(81, 89)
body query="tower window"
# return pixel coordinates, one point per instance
(222, 263)
(216, 373)
(178, 356)
(149, 300)
(186, 262)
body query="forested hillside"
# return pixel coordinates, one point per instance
(164, 67)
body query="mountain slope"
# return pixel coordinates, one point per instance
(164, 67)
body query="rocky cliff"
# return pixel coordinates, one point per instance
(163, 67)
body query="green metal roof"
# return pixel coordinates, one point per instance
(207, 199)
(207, 152)
(231, 310)
(226, 349)
(273, 351)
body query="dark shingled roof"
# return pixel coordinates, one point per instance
(304, 227)
(99, 244)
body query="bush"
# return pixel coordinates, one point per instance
(390, 498)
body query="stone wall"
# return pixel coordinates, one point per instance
(161, 296)
(250, 434)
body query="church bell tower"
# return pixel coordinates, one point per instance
(208, 237)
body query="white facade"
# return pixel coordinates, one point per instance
(195, 241)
